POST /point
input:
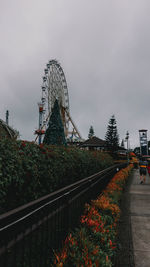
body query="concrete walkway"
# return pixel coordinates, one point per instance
(140, 220)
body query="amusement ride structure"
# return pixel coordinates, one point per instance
(54, 87)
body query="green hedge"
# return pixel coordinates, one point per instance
(95, 242)
(29, 171)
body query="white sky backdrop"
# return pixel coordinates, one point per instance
(103, 47)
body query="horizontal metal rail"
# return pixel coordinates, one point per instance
(29, 233)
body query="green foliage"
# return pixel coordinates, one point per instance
(137, 150)
(112, 137)
(82, 248)
(91, 132)
(94, 242)
(122, 143)
(29, 171)
(55, 132)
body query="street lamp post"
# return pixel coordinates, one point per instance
(127, 139)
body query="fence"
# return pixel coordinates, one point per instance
(29, 234)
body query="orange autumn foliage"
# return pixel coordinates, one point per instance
(95, 220)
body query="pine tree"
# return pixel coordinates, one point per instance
(112, 137)
(91, 132)
(55, 132)
(122, 143)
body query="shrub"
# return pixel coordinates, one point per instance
(29, 171)
(94, 242)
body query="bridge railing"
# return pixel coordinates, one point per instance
(30, 233)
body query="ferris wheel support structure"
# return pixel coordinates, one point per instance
(54, 87)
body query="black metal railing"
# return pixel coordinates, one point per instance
(29, 234)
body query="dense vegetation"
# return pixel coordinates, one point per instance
(29, 171)
(94, 242)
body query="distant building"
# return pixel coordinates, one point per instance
(7, 131)
(122, 151)
(143, 142)
(94, 143)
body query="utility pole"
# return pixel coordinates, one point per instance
(7, 116)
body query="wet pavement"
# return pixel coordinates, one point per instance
(140, 219)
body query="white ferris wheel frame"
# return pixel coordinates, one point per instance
(54, 87)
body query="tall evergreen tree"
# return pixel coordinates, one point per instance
(112, 137)
(91, 132)
(55, 132)
(122, 143)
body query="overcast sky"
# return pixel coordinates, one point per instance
(103, 47)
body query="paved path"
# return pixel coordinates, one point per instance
(140, 220)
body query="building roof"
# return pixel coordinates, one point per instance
(6, 130)
(94, 142)
(142, 130)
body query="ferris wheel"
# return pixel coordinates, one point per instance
(54, 86)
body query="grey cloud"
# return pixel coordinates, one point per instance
(103, 47)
